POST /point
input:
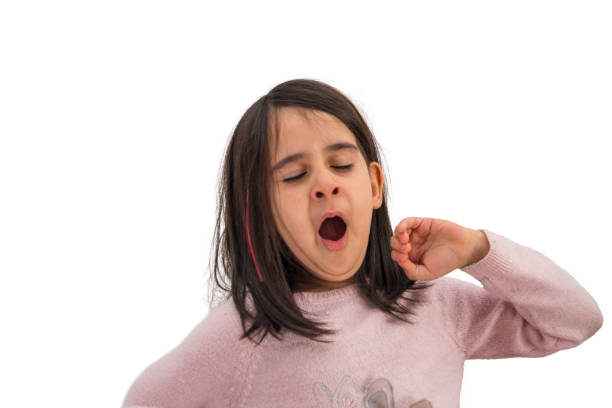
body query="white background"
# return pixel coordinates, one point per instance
(114, 117)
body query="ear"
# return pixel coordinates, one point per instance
(376, 180)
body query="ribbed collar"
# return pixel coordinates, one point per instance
(329, 296)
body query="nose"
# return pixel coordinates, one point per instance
(319, 193)
(325, 185)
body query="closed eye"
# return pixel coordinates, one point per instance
(343, 168)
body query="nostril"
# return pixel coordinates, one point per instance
(334, 192)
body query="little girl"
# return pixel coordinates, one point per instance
(303, 240)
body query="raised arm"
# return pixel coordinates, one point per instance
(528, 306)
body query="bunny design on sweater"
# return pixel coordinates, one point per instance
(379, 394)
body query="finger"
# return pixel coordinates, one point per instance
(398, 246)
(413, 271)
(398, 256)
(407, 265)
(395, 243)
(405, 225)
(402, 237)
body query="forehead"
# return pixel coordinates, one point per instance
(299, 129)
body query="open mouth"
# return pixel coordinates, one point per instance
(333, 233)
(332, 228)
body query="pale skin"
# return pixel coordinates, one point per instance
(322, 182)
(429, 248)
(425, 248)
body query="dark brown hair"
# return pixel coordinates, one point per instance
(247, 167)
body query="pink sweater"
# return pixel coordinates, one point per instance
(528, 307)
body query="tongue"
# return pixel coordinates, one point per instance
(332, 228)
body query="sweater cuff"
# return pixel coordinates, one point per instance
(493, 261)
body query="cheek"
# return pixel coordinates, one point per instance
(289, 211)
(364, 207)
(364, 192)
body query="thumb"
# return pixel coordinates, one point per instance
(414, 271)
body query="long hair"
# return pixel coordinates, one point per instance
(243, 253)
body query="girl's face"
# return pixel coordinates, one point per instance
(309, 185)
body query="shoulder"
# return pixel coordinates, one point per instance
(460, 304)
(452, 293)
(221, 326)
(215, 342)
(201, 369)
(447, 285)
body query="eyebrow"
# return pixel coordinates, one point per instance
(331, 148)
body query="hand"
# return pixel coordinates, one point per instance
(429, 248)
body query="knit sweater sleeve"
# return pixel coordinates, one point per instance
(203, 370)
(528, 305)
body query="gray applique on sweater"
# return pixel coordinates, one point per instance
(379, 394)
